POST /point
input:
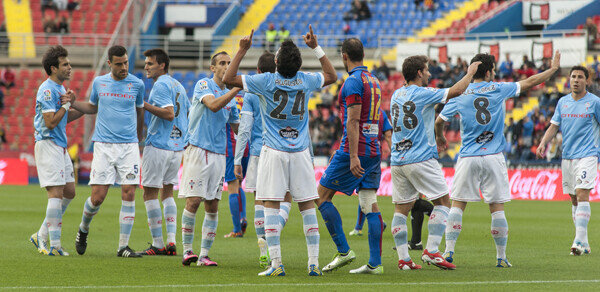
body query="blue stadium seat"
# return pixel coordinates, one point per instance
(178, 76)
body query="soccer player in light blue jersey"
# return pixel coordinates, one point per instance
(285, 162)
(481, 166)
(414, 166)
(168, 103)
(213, 106)
(118, 100)
(577, 116)
(54, 167)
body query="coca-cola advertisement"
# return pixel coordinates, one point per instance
(13, 171)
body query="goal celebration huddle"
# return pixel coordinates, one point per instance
(267, 144)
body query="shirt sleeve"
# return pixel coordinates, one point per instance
(94, 94)
(597, 110)
(556, 118)
(234, 114)
(385, 121)
(314, 81)
(449, 110)
(139, 101)
(432, 95)
(247, 105)
(256, 83)
(160, 96)
(352, 91)
(509, 89)
(243, 136)
(201, 90)
(46, 100)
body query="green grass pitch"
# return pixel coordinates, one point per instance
(539, 240)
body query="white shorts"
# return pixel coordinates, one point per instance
(160, 167)
(579, 174)
(424, 177)
(252, 173)
(203, 174)
(487, 173)
(115, 163)
(53, 164)
(280, 171)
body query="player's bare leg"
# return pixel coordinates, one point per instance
(311, 233)
(582, 218)
(209, 231)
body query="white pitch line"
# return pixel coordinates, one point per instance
(307, 284)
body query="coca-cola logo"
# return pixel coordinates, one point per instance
(542, 186)
(3, 165)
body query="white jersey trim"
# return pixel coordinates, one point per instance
(322, 79)
(202, 97)
(48, 111)
(445, 118)
(554, 122)
(244, 84)
(167, 105)
(518, 92)
(445, 98)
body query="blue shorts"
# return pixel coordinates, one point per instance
(338, 176)
(229, 174)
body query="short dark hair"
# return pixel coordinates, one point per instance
(581, 68)
(487, 64)
(160, 55)
(213, 60)
(289, 59)
(266, 62)
(353, 47)
(116, 50)
(51, 58)
(412, 65)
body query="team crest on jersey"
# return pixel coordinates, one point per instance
(485, 137)
(587, 106)
(47, 95)
(288, 133)
(129, 85)
(192, 183)
(203, 85)
(130, 176)
(102, 85)
(404, 145)
(175, 133)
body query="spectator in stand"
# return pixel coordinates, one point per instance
(73, 5)
(596, 68)
(270, 38)
(506, 68)
(283, 34)
(63, 25)
(526, 71)
(7, 78)
(434, 69)
(1, 100)
(2, 138)
(49, 24)
(592, 32)
(358, 11)
(4, 41)
(527, 134)
(527, 62)
(49, 4)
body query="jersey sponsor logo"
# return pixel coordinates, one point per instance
(203, 85)
(175, 133)
(370, 129)
(120, 95)
(575, 116)
(404, 145)
(485, 137)
(47, 95)
(288, 133)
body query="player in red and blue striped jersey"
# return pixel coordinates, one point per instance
(356, 165)
(237, 196)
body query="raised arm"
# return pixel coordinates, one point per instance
(328, 71)
(541, 77)
(550, 133)
(231, 78)
(216, 104)
(440, 139)
(460, 86)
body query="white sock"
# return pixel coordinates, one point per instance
(400, 234)
(155, 222)
(453, 228)
(284, 212)
(500, 233)
(436, 227)
(209, 231)
(311, 233)
(582, 218)
(43, 232)
(54, 221)
(170, 212)
(259, 221)
(188, 222)
(573, 211)
(126, 218)
(89, 211)
(272, 234)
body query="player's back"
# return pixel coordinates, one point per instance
(283, 103)
(48, 100)
(116, 121)
(413, 115)
(482, 110)
(361, 87)
(164, 134)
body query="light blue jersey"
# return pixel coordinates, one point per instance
(48, 100)
(578, 122)
(413, 115)
(116, 121)
(283, 105)
(207, 129)
(482, 109)
(163, 134)
(251, 106)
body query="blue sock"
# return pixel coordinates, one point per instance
(234, 208)
(242, 204)
(360, 219)
(375, 229)
(333, 221)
